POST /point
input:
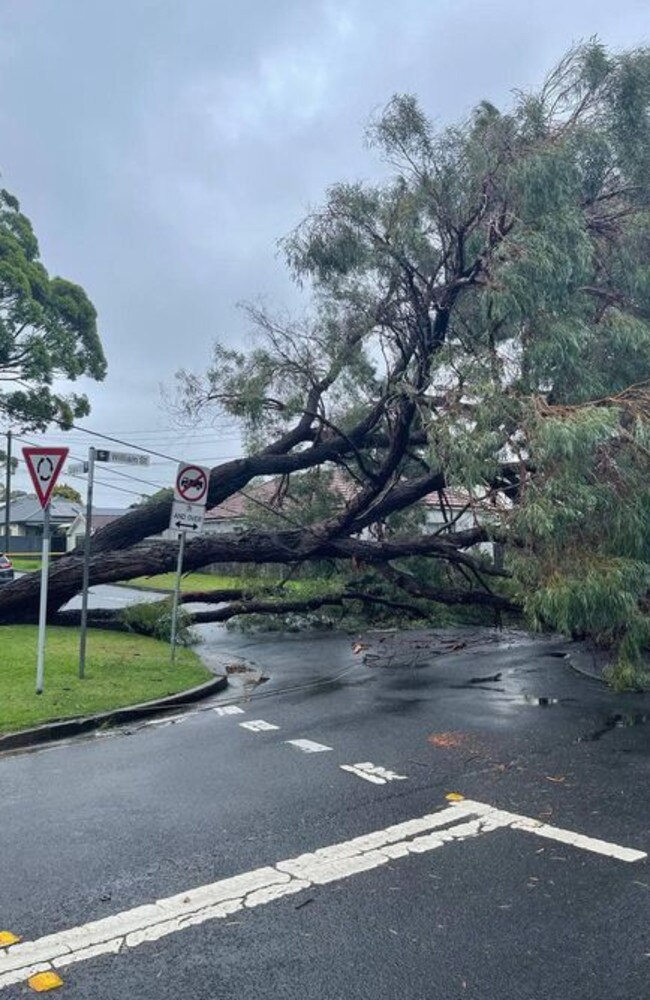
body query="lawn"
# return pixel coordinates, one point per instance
(121, 669)
(190, 581)
(27, 565)
(211, 581)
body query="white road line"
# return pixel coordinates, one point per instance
(372, 772)
(170, 720)
(153, 921)
(229, 710)
(308, 746)
(258, 725)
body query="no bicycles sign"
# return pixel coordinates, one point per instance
(191, 483)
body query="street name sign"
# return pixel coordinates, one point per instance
(44, 466)
(120, 457)
(187, 517)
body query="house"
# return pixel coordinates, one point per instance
(233, 513)
(101, 516)
(26, 523)
(458, 509)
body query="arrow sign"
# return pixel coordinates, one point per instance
(191, 484)
(187, 517)
(44, 466)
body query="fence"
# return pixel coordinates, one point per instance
(32, 544)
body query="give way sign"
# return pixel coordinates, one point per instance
(44, 466)
(191, 483)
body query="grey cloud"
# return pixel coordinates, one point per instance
(161, 148)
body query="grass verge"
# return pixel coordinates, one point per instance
(121, 669)
(211, 581)
(190, 581)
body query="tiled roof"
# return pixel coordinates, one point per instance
(238, 505)
(27, 510)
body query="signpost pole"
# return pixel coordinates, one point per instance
(42, 611)
(44, 466)
(8, 493)
(86, 570)
(177, 590)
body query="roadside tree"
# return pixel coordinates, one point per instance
(480, 321)
(48, 331)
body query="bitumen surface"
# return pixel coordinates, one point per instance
(99, 826)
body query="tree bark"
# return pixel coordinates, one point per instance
(19, 601)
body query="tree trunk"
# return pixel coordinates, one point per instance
(19, 600)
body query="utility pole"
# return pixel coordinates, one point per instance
(7, 491)
(86, 570)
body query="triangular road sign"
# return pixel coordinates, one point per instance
(44, 466)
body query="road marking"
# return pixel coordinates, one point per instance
(170, 720)
(258, 725)
(308, 746)
(229, 710)
(43, 982)
(372, 772)
(122, 931)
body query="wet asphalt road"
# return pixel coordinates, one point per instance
(96, 827)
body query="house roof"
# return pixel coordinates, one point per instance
(27, 510)
(102, 516)
(456, 499)
(237, 506)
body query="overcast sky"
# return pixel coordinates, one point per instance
(161, 147)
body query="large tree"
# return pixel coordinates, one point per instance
(66, 492)
(48, 331)
(480, 320)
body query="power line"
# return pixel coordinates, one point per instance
(115, 472)
(149, 451)
(102, 482)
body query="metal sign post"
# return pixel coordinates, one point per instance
(8, 493)
(86, 570)
(44, 466)
(177, 592)
(42, 610)
(188, 508)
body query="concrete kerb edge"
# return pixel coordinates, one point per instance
(590, 674)
(64, 728)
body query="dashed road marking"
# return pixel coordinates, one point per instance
(372, 772)
(218, 900)
(229, 710)
(258, 725)
(308, 746)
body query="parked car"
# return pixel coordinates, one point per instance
(6, 570)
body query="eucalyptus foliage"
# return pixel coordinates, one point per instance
(494, 293)
(48, 331)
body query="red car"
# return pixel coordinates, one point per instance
(6, 570)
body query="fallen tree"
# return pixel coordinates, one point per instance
(481, 323)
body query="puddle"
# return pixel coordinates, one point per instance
(621, 720)
(398, 706)
(476, 687)
(529, 699)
